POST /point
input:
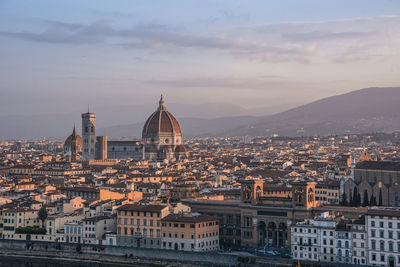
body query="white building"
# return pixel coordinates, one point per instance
(383, 228)
(343, 241)
(73, 232)
(95, 228)
(313, 240)
(359, 242)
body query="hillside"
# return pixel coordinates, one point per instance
(361, 111)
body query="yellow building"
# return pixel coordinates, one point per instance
(190, 232)
(140, 225)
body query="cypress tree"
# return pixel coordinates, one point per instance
(351, 199)
(372, 202)
(355, 197)
(380, 198)
(358, 199)
(365, 200)
(343, 201)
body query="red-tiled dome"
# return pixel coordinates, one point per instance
(67, 143)
(181, 149)
(161, 121)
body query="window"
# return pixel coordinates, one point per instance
(373, 244)
(382, 245)
(373, 223)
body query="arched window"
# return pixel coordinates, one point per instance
(390, 246)
(382, 245)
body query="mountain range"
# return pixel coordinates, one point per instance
(361, 111)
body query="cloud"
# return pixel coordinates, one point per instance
(300, 42)
(153, 37)
(325, 35)
(259, 83)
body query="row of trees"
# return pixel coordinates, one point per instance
(355, 199)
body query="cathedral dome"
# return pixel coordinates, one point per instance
(68, 141)
(161, 123)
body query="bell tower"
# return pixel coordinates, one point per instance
(88, 135)
(303, 195)
(251, 190)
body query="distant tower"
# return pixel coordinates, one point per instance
(88, 135)
(101, 148)
(74, 146)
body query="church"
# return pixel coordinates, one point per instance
(161, 140)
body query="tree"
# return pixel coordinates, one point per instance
(372, 202)
(343, 201)
(42, 214)
(351, 199)
(365, 199)
(380, 198)
(355, 198)
(358, 199)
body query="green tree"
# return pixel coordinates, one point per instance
(42, 214)
(351, 199)
(358, 199)
(343, 201)
(372, 202)
(365, 199)
(380, 198)
(355, 197)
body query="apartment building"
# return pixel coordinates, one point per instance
(140, 225)
(190, 232)
(94, 228)
(314, 240)
(343, 241)
(359, 242)
(14, 218)
(383, 228)
(73, 232)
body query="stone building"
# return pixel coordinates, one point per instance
(258, 220)
(140, 225)
(161, 139)
(73, 145)
(124, 149)
(377, 178)
(88, 135)
(190, 232)
(162, 136)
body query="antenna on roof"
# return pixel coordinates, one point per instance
(88, 109)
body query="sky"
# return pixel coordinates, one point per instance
(59, 56)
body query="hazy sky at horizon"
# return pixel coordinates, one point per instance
(58, 56)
